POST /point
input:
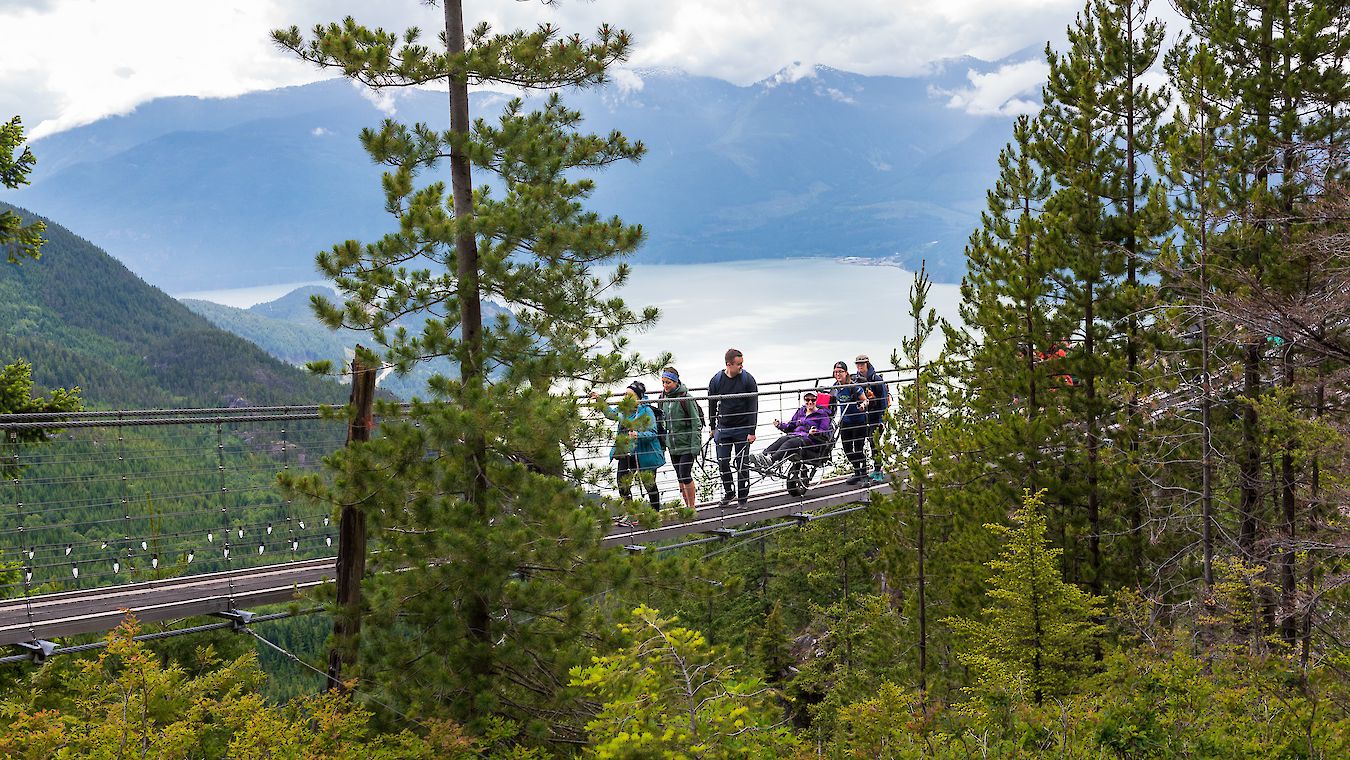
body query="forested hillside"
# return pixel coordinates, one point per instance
(288, 330)
(82, 319)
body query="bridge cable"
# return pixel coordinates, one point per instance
(28, 567)
(295, 658)
(224, 513)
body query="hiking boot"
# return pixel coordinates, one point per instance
(855, 478)
(726, 500)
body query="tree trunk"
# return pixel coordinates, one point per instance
(1288, 588)
(478, 619)
(1134, 423)
(1093, 449)
(351, 559)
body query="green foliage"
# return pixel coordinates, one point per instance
(127, 701)
(1146, 703)
(860, 644)
(1038, 633)
(16, 388)
(18, 240)
(669, 694)
(16, 397)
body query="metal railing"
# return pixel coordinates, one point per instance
(118, 497)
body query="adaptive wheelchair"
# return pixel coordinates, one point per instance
(798, 468)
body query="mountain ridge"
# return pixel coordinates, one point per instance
(208, 193)
(83, 319)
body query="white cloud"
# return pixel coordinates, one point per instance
(627, 80)
(839, 96)
(319, 132)
(68, 62)
(793, 73)
(381, 99)
(1011, 90)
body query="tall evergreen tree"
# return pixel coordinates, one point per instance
(469, 495)
(908, 431)
(1005, 430)
(1192, 161)
(1008, 311)
(1098, 126)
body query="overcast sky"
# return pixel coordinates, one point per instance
(64, 63)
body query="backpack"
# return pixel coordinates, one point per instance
(661, 434)
(697, 415)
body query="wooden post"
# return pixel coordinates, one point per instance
(351, 559)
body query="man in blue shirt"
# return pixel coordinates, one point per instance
(733, 423)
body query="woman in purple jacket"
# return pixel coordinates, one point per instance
(809, 426)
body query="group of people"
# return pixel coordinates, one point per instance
(856, 404)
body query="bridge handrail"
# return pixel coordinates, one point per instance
(222, 415)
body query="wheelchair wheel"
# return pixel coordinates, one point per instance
(799, 477)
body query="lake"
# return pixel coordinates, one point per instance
(792, 318)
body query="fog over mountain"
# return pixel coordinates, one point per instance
(197, 193)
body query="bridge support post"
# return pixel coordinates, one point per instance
(351, 559)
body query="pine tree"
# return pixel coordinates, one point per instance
(1192, 161)
(1037, 631)
(16, 397)
(488, 551)
(907, 433)
(1007, 308)
(1098, 125)
(1004, 430)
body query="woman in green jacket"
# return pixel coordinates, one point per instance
(684, 431)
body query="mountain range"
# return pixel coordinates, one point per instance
(195, 194)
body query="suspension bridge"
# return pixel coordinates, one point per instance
(175, 513)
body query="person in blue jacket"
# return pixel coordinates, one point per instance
(733, 423)
(642, 456)
(809, 426)
(850, 399)
(878, 399)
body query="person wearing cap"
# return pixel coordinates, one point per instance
(733, 423)
(809, 426)
(640, 456)
(878, 399)
(851, 399)
(684, 432)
